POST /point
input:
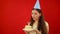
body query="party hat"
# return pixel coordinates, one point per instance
(37, 5)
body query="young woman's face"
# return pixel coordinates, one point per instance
(35, 15)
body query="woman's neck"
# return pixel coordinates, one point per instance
(36, 22)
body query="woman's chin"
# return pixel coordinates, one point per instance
(34, 19)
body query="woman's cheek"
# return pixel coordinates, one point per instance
(36, 16)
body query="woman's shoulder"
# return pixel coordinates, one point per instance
(47, 25)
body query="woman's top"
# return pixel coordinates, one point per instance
(34, 27)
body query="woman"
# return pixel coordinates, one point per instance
(38, 23)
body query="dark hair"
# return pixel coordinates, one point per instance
(41, 23)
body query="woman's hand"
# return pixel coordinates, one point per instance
(31, 30)
(34, 30)
(27, 32)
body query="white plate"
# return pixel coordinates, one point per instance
(28, 30)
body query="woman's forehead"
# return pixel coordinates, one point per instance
(34, 11)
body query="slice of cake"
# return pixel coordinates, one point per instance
(28, 28)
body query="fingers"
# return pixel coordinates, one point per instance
(28, 23)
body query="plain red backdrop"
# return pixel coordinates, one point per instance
(16, 13)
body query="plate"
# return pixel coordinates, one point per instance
(28, 29)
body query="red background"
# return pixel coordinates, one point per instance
(16, 13)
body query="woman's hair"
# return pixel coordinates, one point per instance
(41, 23)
